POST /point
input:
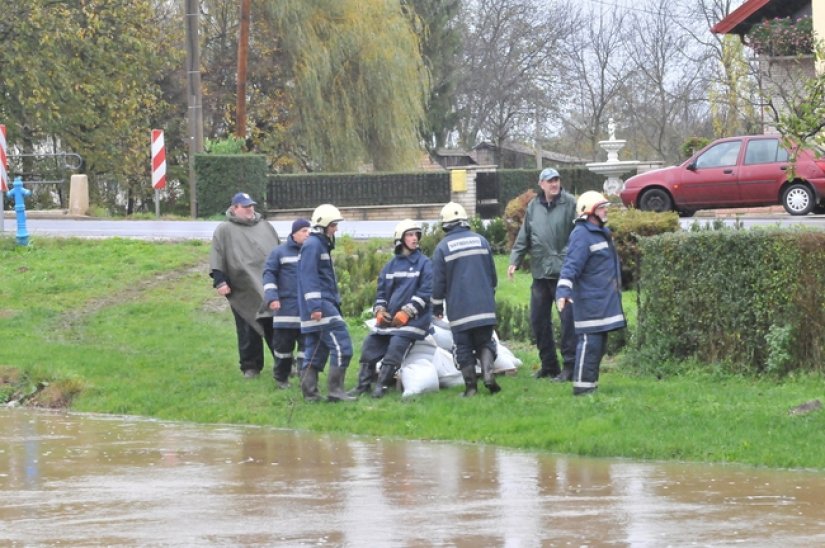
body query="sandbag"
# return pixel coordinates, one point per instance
(442, 335)
(448, 375)
(418, 377)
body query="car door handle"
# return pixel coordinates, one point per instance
(783, 168)
(727, 171)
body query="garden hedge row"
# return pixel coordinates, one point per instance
(751, 300)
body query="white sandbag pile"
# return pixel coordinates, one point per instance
(429, 364)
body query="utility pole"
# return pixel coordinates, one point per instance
(537, 139)
(243, 49)
(193, 75)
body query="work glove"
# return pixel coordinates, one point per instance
(402, 317)
(382, 317)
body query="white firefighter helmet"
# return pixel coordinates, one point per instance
(402, 228)
(453, 212)
(326, 214)
(588, 202)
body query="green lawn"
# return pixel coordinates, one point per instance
(137, 328)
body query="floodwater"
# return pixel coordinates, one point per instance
(88, 480)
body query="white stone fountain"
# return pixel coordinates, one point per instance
(613, 167)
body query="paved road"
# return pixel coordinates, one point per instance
(202, 230)
(172, 230)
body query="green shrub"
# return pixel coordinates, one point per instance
(752, 300)
(628, 225)
(357, 265)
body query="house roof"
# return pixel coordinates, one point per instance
(523, 149)
(740, 20)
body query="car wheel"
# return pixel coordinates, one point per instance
(655, 199)
(798, 199)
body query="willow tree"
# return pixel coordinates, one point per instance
(357, 81)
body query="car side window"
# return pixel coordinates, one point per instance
(763, 151)
(721, 155)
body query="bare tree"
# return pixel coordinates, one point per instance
(598, 66)
(511, 64)
(664, 98)
(731, 89)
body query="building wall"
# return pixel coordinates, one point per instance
(818, 18)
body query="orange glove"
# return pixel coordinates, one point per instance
(401, 318)
(382, 317)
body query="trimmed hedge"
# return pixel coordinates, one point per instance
(628, 226)
(222, 176)
(752, 301)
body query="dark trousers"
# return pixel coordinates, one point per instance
(542, 304)
(284, 341)
(467, 345)
(590, 349)
(390, 348)
(332, 342)
(250, 342)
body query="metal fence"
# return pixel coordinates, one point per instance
(357, 189)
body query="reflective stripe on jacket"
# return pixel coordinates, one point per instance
(407, 280)
(591, 277)
(280, 281)
(317, 285)
(464, 279)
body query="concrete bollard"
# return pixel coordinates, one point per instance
(79, 195)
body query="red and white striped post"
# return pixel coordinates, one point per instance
(4, 175)
(4, 160)
(158, 166)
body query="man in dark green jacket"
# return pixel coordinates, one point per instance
(548, 221)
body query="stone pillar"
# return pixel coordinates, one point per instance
(466, 196)
(79, 195)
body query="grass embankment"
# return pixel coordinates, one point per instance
(131, 327)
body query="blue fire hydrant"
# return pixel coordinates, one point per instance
(19, 194)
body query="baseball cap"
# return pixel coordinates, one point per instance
(243, 199)
(548, 173)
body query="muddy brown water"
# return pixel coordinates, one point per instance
(87, 480)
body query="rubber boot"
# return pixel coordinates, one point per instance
(384, 380)
(469, 374)
(486, 358)
(283, 367)
(365, 379)
(336, 385)
(547, 371)
(566, 375)
(309, 384)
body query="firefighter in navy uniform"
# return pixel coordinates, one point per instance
(464, 282)
(402, 309)
(280, 281)
(591, 278)
(324, 329)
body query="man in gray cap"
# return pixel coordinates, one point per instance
(240, 246)
(548, 221)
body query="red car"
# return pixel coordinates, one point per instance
(746, 171)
